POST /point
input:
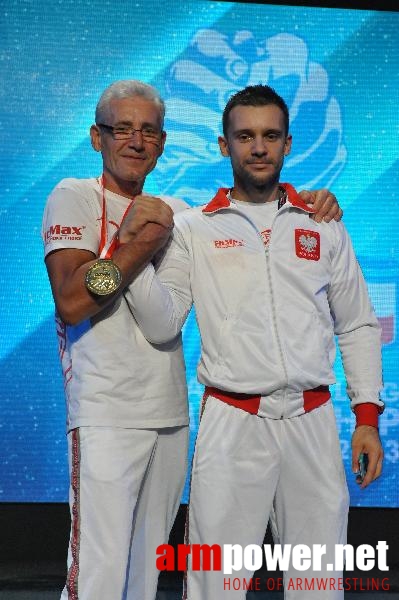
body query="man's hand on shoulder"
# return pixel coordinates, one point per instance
(324, 203)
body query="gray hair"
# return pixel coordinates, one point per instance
(126, 89)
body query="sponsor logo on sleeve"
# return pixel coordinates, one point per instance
(63, 232)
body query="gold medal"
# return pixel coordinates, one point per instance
(103, 277)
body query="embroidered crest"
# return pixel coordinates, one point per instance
(307, 244)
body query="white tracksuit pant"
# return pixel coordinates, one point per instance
(246, 468)
(126, 487)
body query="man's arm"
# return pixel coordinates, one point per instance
(161, 307)
(359, 340)
(144, 231)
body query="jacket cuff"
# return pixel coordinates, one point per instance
(367, 414)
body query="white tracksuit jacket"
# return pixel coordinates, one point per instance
(267, 317)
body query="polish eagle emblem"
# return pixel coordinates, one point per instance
(308, 242)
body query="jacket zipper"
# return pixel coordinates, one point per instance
(274, 316)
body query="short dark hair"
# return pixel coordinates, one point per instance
(255, 95)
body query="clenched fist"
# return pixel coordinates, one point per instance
(149, 218)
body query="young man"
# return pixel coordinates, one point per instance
(271, 288)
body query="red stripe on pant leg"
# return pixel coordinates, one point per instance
(73, 573)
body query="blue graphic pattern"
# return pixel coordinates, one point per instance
(338, 69)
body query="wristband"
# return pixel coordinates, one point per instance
(367, 414)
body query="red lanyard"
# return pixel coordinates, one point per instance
(105, 249)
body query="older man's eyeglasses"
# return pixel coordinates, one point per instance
(123, 132)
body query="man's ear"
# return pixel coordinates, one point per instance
(162, 143)
(287, 145)
(95, 138)
(223, 145)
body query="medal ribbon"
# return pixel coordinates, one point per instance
(107, 248)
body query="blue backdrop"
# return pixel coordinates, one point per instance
(338, 69)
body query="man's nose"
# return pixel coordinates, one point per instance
(258, 146)
(136, 139)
